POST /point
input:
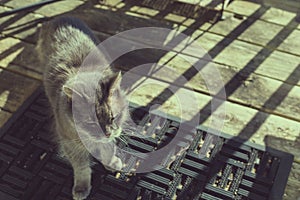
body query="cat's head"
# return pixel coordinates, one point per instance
(111, 107)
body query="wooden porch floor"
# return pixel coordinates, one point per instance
(256, 49)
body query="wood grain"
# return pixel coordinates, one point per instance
(4, 116)
(15, 89)
(255, 49)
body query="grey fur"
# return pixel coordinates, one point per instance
(62, 46)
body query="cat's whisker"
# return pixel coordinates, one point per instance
(123, 140)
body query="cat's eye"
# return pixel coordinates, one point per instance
(114, 125)
(113, 122)
(115, 118)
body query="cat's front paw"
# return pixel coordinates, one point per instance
(81, 191)
(116, 164)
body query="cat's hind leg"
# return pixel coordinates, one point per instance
(82, 182)
(80, 161)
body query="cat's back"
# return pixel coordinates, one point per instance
(65, 25)
(65, 33)
(62, 46)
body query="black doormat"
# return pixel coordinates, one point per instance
(31, 169)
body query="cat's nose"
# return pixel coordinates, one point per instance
(108, 134)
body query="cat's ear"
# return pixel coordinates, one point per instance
(69, 89)
(114, 82)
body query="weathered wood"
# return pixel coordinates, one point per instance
(18, 52)
(292, 190)
(236, 116)
(49, 10)
(292, 6)
(248, 108)
(291, 43)
(254, 90)
(264, 128)
(224, 50)
(14, 90)
(230, 60)
(17, 4)
(17, 69)
(208, 41)
(260, 32)
(4, 116)
(19, 57)
(244, 94)
(21, 25)
(272, 14)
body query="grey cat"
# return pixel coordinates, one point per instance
(62, 47)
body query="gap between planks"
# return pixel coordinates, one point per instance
(212, 36)
(233, 100)
(252, 86)
(205, 27)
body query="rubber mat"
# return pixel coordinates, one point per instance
(31, 169)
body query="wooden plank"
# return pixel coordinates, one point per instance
(228, 77)
(4, 116)
(222, 49)
(227, 56)
(49, 10)
(292, 6)
(292, 188)
(23, 25)
(237, 119)
(17, 4)
(238, 54)
(15, 51)
(236, 116)
(291, 43)
(278, 65)
(14, 90)
(278, 16)
(238, 96)
(17, 69)
(20, 25)
(61, 7)
(245, 48)
(254, 91)
(272, 14)
(260, 32)
(231, 116)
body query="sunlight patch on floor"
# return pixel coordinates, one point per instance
(4, 98)
(11, 48)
